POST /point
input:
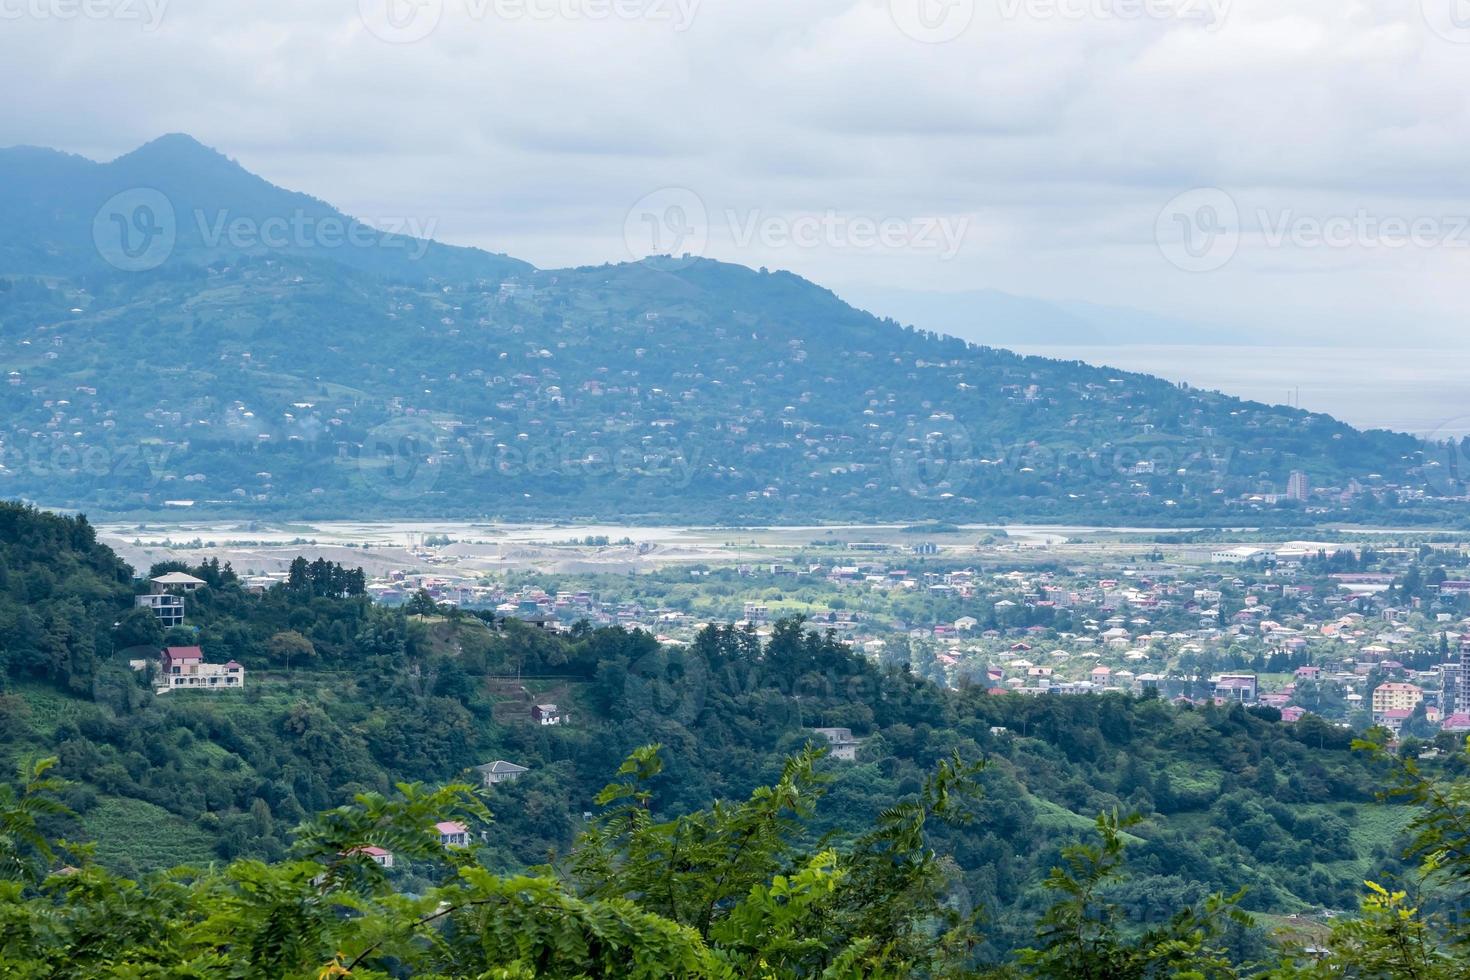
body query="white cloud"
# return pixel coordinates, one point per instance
(1058, 137)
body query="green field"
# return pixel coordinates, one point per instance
(147, 836)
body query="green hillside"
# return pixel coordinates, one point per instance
(393, 377)
(344, 697)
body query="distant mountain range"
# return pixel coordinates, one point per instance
(179, 332)
(990, 316)
(52, 203)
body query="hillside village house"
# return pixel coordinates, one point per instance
(382, 858)
(177, 582)
(184, 669)
(500, 771)
(841, 742)
(1236, 687)
(452, 833)
(549, 714)
(166, 607)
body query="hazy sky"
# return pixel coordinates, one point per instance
(1035, 146)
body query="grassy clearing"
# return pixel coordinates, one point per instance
(147, 836)
(1058, 817)
(48, 707)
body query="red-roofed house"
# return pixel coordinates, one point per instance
(184, 669)
(377, 855)
(1393, 719)
(1292, 713)
(452, 833)
(1457, 723)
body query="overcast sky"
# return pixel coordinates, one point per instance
(1035, 146)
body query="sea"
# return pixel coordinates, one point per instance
(1424, 392)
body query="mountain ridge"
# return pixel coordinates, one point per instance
(399, 375)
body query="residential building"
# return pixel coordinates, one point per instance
(549, 714)
(177, 582)
(1395, 697)
(382, 858)
(184, 668)
(500, 771)
(167, 607)
(452, 833)
(841, 742)
(1462, 700)
(1298, 487)
(1236, 687)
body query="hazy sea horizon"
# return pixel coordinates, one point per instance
(1416, 390)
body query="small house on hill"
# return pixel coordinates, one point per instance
(841, 742)
(177, 582)
(379, 856)
(500, 771)
(549, 714)
(452, 833)
(184, 669)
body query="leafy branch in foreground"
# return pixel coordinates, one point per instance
(737, 890)
(1421, 933)
(1081, 938)
(25, 851)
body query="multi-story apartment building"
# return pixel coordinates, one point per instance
(1395, 697)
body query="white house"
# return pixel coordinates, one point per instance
(184, 669)
(177, 581)
(500, 771)
(841, 742)
(452, 833)
(549, 714)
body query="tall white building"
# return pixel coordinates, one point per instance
(1462, 684)
(1298, 487)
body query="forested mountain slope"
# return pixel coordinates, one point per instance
(253, 367)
